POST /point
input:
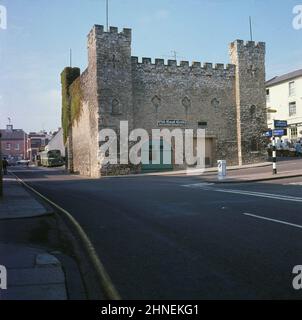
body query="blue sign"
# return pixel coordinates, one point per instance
(268, 133)
(279, 132)
(280, 123)
(275, 133)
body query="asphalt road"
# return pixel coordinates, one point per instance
(178, 238)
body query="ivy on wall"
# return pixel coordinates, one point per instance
(76, 98)
(68, 76)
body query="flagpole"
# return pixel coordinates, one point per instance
(107, 14)
(251, 31)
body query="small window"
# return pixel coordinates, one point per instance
(252, 111)
(17, 146)
(291, 89)
(202, 124)
(292, 109)
(115, 108)
(8, 146)
(267, 95)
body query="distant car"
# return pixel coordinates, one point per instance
(23, 162)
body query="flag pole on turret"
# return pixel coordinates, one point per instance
(107, 15)
(251, 30)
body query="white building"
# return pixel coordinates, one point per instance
(56, 143)
(284, 95)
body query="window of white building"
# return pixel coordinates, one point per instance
(294, 132)
(267, 95)
(291, 88)
(292, 109)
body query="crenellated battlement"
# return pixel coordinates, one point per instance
(98, 30)
(162, 64)
(241, 45)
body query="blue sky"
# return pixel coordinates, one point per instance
(35, 47)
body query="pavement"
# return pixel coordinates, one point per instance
(181, 237)
(18, 203)
(286, 169)
(32, 273)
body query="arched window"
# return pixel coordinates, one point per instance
(156, 102)
(215, 102)
(186, 102)
(115, 107)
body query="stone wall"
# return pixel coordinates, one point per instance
(191, 93)
(249, 59)
(228, 101)
(85, 131)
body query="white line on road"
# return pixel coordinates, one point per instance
(293, 184)
(197, 185)
(273, 220)
(247, 193)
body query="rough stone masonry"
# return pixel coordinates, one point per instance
(227, 101)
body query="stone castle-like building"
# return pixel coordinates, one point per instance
(228, 101)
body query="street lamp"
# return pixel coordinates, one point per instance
(270, 110)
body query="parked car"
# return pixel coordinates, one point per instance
(23, 162)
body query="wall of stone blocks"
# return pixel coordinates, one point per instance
(116, 86)
(85, 131)
(191, 93)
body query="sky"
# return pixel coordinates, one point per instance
(34, 48)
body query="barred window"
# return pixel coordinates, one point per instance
(292, 109)
(294, 132)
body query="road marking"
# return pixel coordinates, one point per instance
(246, 193)
(293, 184)
(273, 220)
(197, 185)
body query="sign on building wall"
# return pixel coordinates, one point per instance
(275, 133)
(280, 123)
(173, 122)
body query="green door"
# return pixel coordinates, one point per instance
(156, 156)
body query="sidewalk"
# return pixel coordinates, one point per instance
(253, 177)
(32, 273)
(17, 202)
